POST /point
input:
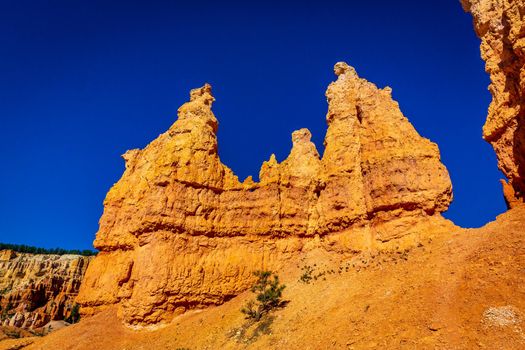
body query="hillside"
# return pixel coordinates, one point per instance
(463, 290)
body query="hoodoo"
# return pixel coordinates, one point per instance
(501, 27)
(179, 230)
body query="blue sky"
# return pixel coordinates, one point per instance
(83, 81)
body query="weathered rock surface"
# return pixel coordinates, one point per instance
(38, 288)
(179, 230)
(501, 26)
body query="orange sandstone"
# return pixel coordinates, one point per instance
(38, 288)
(179, 230)
(501, 26)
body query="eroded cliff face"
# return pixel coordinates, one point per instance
(179, 230)
(38, 288)
(500, 25)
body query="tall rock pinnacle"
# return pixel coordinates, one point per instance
(180, 231)
(501, 26)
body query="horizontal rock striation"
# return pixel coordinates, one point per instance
(38, 288)
(179, 230)
(501, 26)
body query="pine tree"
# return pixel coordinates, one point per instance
(269, 293)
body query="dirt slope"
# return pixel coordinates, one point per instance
(465, 290)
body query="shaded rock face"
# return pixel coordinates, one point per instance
(179, 230)
(501, 26)
(38, 288)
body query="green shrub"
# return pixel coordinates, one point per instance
(268, 295)
(74, 316)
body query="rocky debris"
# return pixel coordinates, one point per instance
(180, 231)
(501, 316)
(501, 27)
(38, 288)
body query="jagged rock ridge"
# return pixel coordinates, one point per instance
(501, 27)
(38, 288)
(179, 230)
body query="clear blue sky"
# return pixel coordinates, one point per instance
(83, 81)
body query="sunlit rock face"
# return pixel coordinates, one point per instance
(38, 288)
(179, 230)
(500, 25)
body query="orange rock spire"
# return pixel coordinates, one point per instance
(180, 231)
(501, 26)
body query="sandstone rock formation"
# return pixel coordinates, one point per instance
(38, 288)
(179, 230)
(501, 26)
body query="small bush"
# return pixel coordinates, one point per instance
(74, 316)
(268, 295)
(14, 334)
(306, 277)
(250, 310)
